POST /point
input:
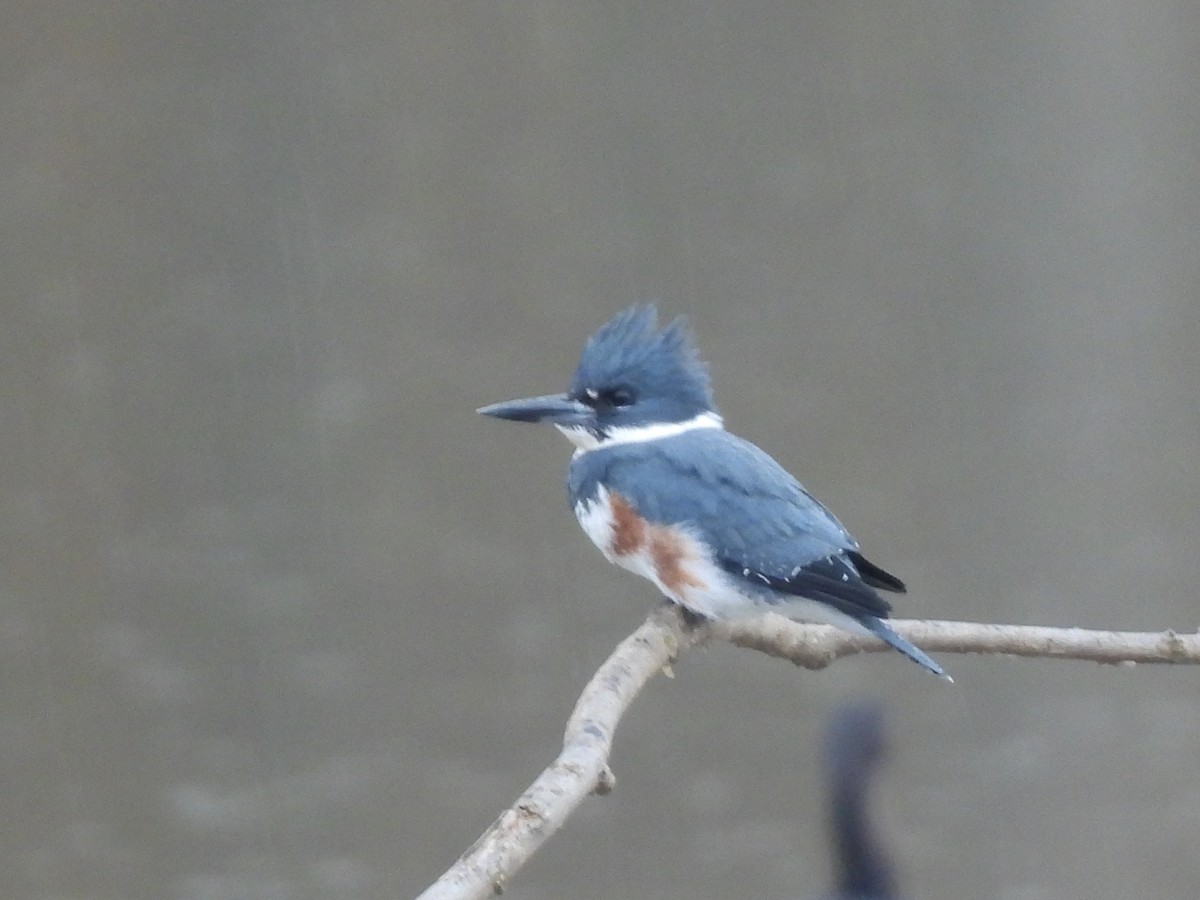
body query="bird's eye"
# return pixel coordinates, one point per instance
(607, 398)
(620, 396)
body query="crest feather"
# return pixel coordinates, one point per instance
(630, 350)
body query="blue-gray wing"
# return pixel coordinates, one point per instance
(763, 526)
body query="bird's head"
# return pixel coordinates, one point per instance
(631, 378)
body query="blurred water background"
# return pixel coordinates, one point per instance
(281, 617)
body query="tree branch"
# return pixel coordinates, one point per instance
(816, 646)
(582, 766)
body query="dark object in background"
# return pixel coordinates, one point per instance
(854, 745)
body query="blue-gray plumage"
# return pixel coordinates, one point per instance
(761, 524)
(712, 520)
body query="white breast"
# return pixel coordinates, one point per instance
(598, 523)
(678, 564)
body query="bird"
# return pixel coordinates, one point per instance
(664, 491)
(854, 747)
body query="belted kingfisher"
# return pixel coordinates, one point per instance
(665, 491)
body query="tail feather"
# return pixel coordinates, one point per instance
(874, 575)
(880, 629)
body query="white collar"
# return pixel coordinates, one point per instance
(585, 441)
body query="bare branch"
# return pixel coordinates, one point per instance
(816, 646)
(582, 766)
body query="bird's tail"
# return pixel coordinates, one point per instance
(880, 629)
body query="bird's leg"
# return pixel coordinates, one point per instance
(689, 617)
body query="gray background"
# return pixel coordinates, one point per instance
(281, 617)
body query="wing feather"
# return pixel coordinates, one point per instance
(764, 528)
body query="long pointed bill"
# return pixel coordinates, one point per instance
(557, 409)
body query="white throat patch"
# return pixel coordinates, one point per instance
(584, 440)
